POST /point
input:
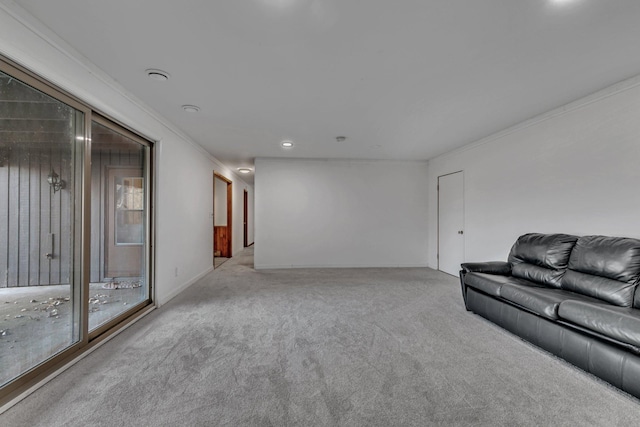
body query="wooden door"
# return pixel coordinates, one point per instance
(246, 218)
(451, 222)
(124, 222)
(222, 217)
(221, 241)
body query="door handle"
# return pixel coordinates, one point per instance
(460, 231)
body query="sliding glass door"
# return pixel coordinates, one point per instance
(41, 141)
(75, 226)
(119, 212)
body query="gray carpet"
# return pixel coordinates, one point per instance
(218, 261)
(352, 347)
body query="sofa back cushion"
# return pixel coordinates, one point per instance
(541, 258)
(607, 268)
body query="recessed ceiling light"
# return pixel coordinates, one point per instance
(287, 144)
(244, 170)
(191, 108)
(159, 75)
(340, 138)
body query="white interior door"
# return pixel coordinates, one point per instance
(451, 222)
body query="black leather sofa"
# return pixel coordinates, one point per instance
(575, 297)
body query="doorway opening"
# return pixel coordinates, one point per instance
(451, 222)
(222, 219)
(246, 218)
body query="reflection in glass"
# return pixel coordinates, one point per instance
(129, 211)
(118, 279)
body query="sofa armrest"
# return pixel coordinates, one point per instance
(493, 267)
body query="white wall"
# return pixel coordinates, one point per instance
(220, 203)
(574, 170)
(184, 191)
(332, 213)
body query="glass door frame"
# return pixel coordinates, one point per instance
(148, 258)
(81, 238)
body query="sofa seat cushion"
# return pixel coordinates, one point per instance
(619, 323)
(492, 283)
(540, 300)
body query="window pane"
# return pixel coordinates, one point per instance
(118, 225)
(39, 143)
(129, 225)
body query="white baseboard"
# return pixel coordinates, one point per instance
(290, 266)
(178, 289)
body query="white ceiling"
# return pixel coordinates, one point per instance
(401, 79)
